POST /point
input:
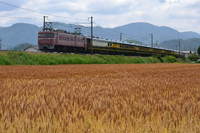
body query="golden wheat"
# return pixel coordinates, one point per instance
(159, 98)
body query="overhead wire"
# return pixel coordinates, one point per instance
(44, 13)
(16, 17)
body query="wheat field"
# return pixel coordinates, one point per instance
(156, 98)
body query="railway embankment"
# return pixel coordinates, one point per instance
(24, 58)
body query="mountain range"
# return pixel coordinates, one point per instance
(27, 33)
(186, 45)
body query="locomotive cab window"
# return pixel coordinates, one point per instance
(46, 35)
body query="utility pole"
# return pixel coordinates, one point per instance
(157, 43)
(152, 40)
(121, 36)
(92, 31)
(179, 46)
(0, 44)
(44, 23)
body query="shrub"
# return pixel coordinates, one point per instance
(22, 58)
(169, 59)
(193, 57)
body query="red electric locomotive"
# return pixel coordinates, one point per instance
(58, 40)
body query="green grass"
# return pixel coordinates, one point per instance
(23, 58)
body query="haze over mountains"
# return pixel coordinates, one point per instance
(186, 45)
(18, 34)
(27, 33)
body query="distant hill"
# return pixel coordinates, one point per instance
(22, 47)
(27, 33)
(18, 34)
(186, 45)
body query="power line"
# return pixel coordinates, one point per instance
(16, 17)
(42, 13)
(12, 5)
(76, 23)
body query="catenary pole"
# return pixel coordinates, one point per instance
(44, 23)
(120, 36)
(0, 44)
(92, 36)
(152, 40)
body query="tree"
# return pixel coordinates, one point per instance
(198, 51)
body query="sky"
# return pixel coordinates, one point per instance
(183, 15)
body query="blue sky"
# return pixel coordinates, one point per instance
(183, 15)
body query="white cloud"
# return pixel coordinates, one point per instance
(180, 14)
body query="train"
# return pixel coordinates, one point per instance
(62, 41)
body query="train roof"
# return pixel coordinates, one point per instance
(134, 44)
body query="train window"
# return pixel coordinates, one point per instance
(46, 35)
